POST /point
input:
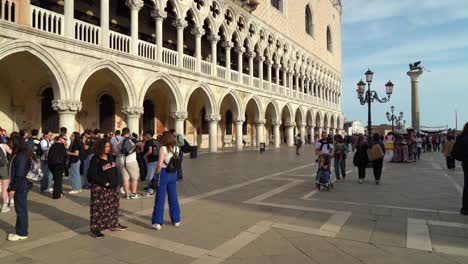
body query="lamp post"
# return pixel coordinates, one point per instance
(394, 118)
(370, 96)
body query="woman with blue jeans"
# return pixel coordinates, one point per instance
(167, 184)
(76, 150)
(150, 151)
(19, 186)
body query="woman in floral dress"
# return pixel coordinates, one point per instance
(104, 196)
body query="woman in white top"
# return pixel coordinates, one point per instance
(167, 176)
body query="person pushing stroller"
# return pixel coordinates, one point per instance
(323, 178)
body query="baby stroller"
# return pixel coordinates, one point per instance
(323, 180)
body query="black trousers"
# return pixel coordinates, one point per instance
(377, 165)
(57, 173)
(450, 162)
(465, 188)
(362, 172)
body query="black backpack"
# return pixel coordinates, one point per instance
(54, 157)
(174, 162)
(155, 146)
(38, 148)
(321, 145)
(128, 147)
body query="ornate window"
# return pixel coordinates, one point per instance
(329, 40)
(309, 21)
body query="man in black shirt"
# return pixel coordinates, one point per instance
(150, 150)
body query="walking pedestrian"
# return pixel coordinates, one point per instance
(74, 154)
(46, 143)
(447, 152)
(167, 173)
(340, 151)
(419, 146)
(323, 146)
(19, 187)
(128, 163)
(460, 152)
(360, 159)
(104, 203)
(5, 150)
(56, 162)
(377, 165)
(88, 140)
(298, 144)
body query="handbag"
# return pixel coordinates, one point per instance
(154, 183)
(375, 153)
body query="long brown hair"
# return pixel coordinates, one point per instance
(168, 140)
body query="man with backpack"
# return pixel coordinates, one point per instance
(128, 165)
(35, 143)
(323, 146)
(150, 154)
(45, 144)
(180, 142)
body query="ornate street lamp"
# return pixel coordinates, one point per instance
(394, 118)
(368, 97)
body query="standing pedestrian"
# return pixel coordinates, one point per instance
(104, 203)
(180, 142)
(360, 159)
(56, 162)
(19, 187)
(339, 153)
(151, 151)
(377, 164)
(419, 146)
(298, 144)
(447, 151)
(167, 173)
(128, 163)
(460, 152)
(45, 144)
(4, 176)
(75, 152)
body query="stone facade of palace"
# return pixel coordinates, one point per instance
(218, 71)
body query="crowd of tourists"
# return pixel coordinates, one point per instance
(104, 163)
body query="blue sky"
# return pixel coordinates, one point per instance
(386, 35)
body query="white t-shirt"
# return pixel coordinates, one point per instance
(45, 146)
(326, 149)
(419, 142)
(168, 155)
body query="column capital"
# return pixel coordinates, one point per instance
(213, 118)
(251, 54)
(158, 14)
(213, 38)
(276, 123)
(197, 31)
(239, 49)
(239, 119)
(290, 124)
(302, 125)
(414, 75)
(180, 23)
(134, 4)
(276, 65)
(179, 115)
(132, 110)
(260, 122)
(228, 45)
(261, 58)
(269, 62)
(66, 105)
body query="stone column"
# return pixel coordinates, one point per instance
(159, 16)
(133, 114)
(213, 129)
(290, 133)
(69, 17)
(251, 56)
(198, 32)
(239, 135)
(297, 82)
(135, 6)
(285, 77)
(240, 52)
(179, 119)
(214, 52)
(320, 131)
(277, 134)
(277, 68)
(312, 134)
(302, 129)
(67, 110)
(228, 45)
(104, 23)
(180, 24)
(260, 125)
(414, 75)
(261, 59)
(269, 64)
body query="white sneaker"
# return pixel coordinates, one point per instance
(11, 202)
(50, 190)
(134, 196)
(157, 226)
(361, 181)
(15, 237)
(122, 191)
(5, 208)
(74, 192)
(177, 224)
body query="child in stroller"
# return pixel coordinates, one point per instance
(323, 178)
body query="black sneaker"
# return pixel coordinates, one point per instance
(86, 187)
(119, 227)
(97, 235)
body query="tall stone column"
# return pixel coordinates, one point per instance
(415, 121)
(277, 69)
(260, 125)
(135, 6)
(227, 45)
(67, 110)
(290, 133)
(312, 134)
(261, 59)
(240, 54)
(179, 119)
(251, 56)
(285, 77)
(214, 52)
(104, 23)
(198, 32)
(213, 129)
(302, 128)
(180, 24)
(133, 114)
(276, 133)
(69, 17)
(239, 135)
(320, 130)
(159, 16)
